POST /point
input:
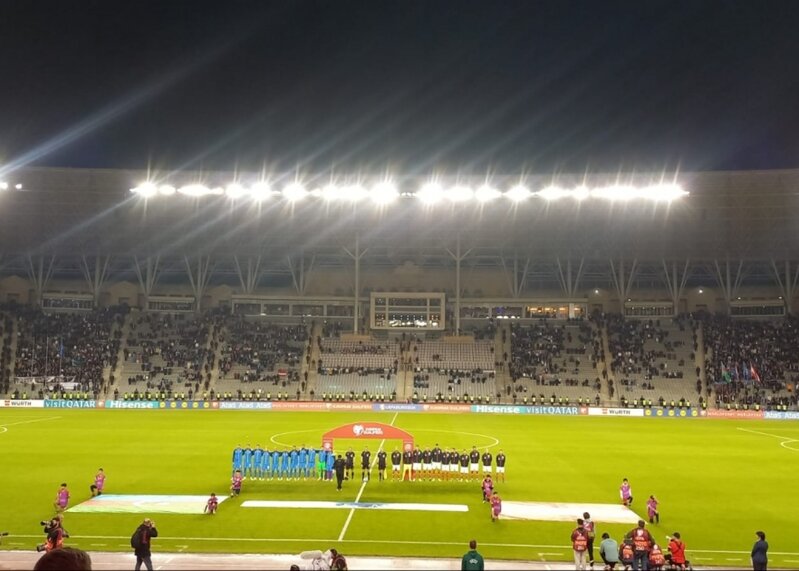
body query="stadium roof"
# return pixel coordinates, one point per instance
(749, 214)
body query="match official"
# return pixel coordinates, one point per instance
(339, 466)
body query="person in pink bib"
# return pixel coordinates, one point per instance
(61, 499)
(626, 492)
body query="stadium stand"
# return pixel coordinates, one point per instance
(554, 362)
(752, 363)
(257, 357)
(461, 368)
(167, 353)
(65, 353)
(357, 366)
(653, 359)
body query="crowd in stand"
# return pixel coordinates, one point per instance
(546, 354)
(6, 331)
(171, 347)
(66, 347)
(752, 362)
(629, 357)
(261, 349)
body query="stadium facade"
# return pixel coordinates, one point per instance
(79, 238)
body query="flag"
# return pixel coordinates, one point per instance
(736, 375)
(746, 371)
(755, 376)
(725, 375)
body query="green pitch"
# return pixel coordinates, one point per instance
(717, 484)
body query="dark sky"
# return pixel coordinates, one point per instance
(411, 86)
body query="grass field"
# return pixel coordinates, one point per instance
(717, 484)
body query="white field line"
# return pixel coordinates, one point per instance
(30, 421)
(363, 485)
(783, 439)
(381, 541)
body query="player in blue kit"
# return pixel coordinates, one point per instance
(284, 465)
(238, 452)
(293, 462)
(255, 468)
(322, 463)
(266, 460)
(275, 464)
(331, 459)
(302, 463)
(246, 462)
(309, 470)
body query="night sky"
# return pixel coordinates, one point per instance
(410, 86)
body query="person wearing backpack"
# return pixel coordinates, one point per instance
(140, 542)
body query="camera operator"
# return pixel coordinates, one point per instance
(56, 534)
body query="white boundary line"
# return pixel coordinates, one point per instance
(363, 485)
(4, 427)
(378, 541)
(783, 439)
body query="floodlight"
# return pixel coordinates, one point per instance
(553, 193)
(384, 192)
(581, 192)
(518, 193)
(145, 189)
(235, 190)
(295, 191)
(18, 186)
(4, 186)
(431, 193)
(459, 193)
(197, 190)
(331, 192)
(615, 192)
(666, 192)
(166, 189)
(260, 191)
(486, 193)
(353, 192)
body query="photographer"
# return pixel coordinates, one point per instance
(140, 542)
(55, 534)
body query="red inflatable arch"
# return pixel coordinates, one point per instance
(367, 431)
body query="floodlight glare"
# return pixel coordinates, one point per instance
(553, 193)
(260, 191)
(666, 192)
(145, 189)
(4, 186)
(615, 192)
(581, 193)
(18, 186)
(384, 192)
(331, 192)
(198, 190)
(166, 189)
(295, 191)
(235, 190)
(431, 193)
(459, 193)
(518, 193)
(486, 193)
(354, 192)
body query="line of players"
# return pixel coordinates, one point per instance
(417, 464)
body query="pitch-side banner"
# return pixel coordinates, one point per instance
(658, 412)
(17, 403)
(598, 411)
(781, 415)
(721, 413)
(511, 409)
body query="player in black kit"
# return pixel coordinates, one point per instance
(501, 466)
(474, 460)
(444, 465)
(381, 465)
(407, 459)
(486, 463)
(365, 468)
(427, 466)
(464, 466)
(349, 463)
(396, 460)
(435, 455)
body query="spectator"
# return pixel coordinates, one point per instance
(472, 560)
(64, 559)
(141, 543)
(760, 552)
(609, 551)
